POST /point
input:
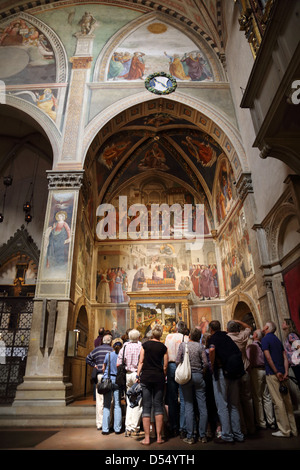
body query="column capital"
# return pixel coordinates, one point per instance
(65, 179)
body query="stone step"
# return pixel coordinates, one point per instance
(52, 416)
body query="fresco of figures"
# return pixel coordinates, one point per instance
(158, 46)
(57, 237)
(33, 55)
(225, 190)
(155, 267)
(237, 264)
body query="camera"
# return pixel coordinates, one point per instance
(283, 389)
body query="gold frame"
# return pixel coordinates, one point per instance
(163, 297)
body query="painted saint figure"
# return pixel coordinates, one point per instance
(58, 236)
(176, 68)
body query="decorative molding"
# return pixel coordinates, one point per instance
(81, 62)
(244, 185)
(65, 179)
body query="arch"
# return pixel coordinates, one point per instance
(215, 123)
(245, 299)
(102, 62)
(276, 228)
(42, 120)
(289, 236)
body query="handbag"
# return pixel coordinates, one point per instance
(183, 372)
(121, 373)
(105, 385)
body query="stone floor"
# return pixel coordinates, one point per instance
(91, 439)
(116, 446)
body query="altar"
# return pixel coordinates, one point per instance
(147, 308)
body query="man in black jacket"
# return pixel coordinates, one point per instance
(222, 352)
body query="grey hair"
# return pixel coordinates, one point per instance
(134, 335)
(271, 326)
(233, 327)
(258, 334)
(107, 339)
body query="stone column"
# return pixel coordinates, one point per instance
(246, 195)
(45, 383)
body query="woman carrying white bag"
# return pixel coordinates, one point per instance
(191, 364)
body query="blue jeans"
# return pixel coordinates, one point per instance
(195, 388)
(172, 390)
(227, 400)
(117, 410)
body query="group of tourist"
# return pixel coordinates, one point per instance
(239, 382)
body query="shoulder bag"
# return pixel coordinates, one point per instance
(121, 373)
(183, 372)
(105, 385)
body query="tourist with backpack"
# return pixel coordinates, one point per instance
(228, 368)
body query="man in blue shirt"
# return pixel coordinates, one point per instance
(276, 364)
(95, 359)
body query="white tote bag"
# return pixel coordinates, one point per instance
(183, 371)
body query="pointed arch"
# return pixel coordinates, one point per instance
(207, 118)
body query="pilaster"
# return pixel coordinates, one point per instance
(71, 153)
(45, 382)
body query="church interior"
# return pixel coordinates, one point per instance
(187, 104)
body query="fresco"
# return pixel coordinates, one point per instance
(84, 258)
(154, 192)
(45, 100)
(158, 47)
(225, 190)
(235, 250)
(57, 236)
(34, 60)
(155, 266)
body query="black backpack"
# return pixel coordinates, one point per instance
(234, 367)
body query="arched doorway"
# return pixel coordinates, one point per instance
(25, 156)
(79, 375)
(243, 313)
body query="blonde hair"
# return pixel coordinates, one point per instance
(157, 331)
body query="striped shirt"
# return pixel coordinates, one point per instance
(97, 356)
(131, 357)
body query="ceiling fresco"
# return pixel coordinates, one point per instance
(199, 15)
